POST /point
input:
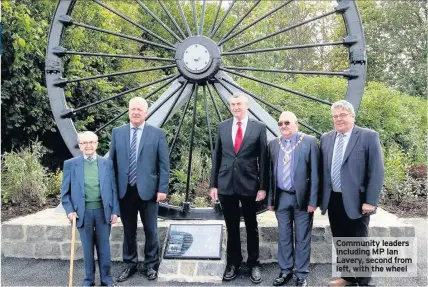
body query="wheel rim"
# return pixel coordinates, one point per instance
(200, 61)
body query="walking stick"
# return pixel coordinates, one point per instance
(73, 239)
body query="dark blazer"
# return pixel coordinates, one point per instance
(243, 173)
(73, 193)
(306, 172)
(152, 160)
(361, 174)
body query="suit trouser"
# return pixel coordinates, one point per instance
(130, 205)
(96, 231)
(288, 212)
(232, 217)
(342, 226)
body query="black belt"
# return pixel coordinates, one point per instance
(286, 191)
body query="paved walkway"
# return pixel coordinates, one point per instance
(32, 272)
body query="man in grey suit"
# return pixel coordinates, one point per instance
(293, 194)
(353, 175)
(141, 159)
(89, 193)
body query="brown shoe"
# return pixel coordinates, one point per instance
(341, 282)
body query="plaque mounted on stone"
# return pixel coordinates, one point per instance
(194, 241)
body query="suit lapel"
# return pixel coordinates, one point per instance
(330, 146)
(248, 131)
(144, 136)
(229, 134)
(275, 157)
(351, 144)
(297, 152)
(80, 174)
(101, 172)
(127, 132)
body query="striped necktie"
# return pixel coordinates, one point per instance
(286, 171)
(132, 178)
(337, 164)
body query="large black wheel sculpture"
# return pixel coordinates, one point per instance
(199, 60)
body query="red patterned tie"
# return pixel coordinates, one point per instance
(238, 138)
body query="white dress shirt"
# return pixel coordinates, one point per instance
(94, 156)
(346, 138)
(244, 124)
(139, 133)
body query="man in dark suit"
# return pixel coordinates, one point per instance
(293, 194)
(89, 193)
(239, 175)
(141, 159)
(353, 175)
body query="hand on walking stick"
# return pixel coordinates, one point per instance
(73, 239)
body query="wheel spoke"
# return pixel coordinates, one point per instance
(201, 26)
(60, 52)
(111, 121)
(183, 17)
(62, 82)
(158, 20)
(216, 16)
(254, 23)
(215, 104)
(240, 20)
(221, 98)
(133, 23)
(174, 140)
(67, 20)
(173, 104)
(73, 111)
(345, 74)
(278, 87)
(172, 18)
(166, 99)
(195, 17)
(267, 103)
(207, 115)
(283, 30)
(222, 19)
(249, 109)
(189, 164)
(282, 48)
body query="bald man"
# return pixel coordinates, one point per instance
(141, 159)
(293, 194)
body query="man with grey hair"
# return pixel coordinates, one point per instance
(293, 194)
(239, 177)
(141, 160)
(353, 175)
(89, 194)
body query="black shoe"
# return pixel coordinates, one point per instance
(151, 274)
(230, 272)
(301, 282)
(126, 273)
(256, 275)
(281, 280)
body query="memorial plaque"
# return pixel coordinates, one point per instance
(194, 241)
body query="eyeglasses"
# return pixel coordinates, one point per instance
(283, 123)
(88, 143)
(342, 116)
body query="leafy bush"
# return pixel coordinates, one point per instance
(54, 181)
(23, 177)
(200, 202)
(176, 198)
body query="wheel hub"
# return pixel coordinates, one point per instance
(198, 58)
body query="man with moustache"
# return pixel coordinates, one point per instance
(353, 175)
(239, 176)
(141, 159)
(89, 193)
(293, 194)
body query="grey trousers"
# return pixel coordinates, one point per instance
(289, 246)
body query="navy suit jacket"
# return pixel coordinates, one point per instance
(152, 160)
(73, 192)
(361, 174)
(306, 172)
